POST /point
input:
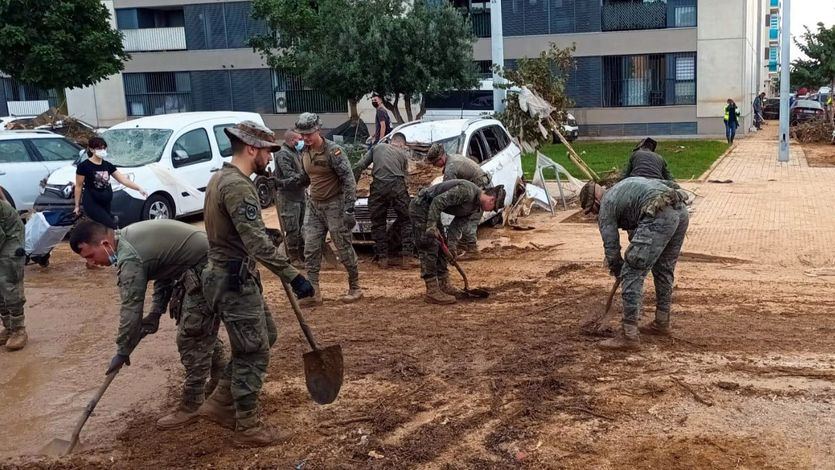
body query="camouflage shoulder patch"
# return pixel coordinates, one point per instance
(249, 208)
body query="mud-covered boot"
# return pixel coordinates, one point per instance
(252, 432)
(434, 294)
(354, 291)
(316, 299)
(183, 415)
(220, 406)
(17, 339)
(448, 289)
(660, 326)
(4, 336)
(627, 340)
(469, 253)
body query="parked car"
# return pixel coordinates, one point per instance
(171, 156)
(29, 157)
(484, 140)
(771, 108)
(805, 110)
(6, 120)
(570, 130)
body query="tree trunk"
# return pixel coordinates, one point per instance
(422, 110)
(407, 102)
(394, 107)
(352, 109)
(62, 101)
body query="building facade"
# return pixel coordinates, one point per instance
(643, 67)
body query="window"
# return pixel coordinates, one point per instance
(223, 143)
(649, 80)
(496, 139)
(13, 151)
(142, 18)
(476, 149)
(192, 147)
(55, 150)
(149, 94)
(684, 88)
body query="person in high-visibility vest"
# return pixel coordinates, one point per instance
(731, 120)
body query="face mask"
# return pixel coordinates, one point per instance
(111, 256)
(101, 153)
(299, 146)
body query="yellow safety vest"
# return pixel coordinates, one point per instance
(728, 112)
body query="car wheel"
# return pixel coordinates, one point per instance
(157, 207)
(266, 194)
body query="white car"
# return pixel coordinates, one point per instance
(484, 140)
(171, 156)
(26, 159)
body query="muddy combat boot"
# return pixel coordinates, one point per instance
(312, 301)
(183, 415)
(434, 294)
(220, 407)
(660, 326)
(17, 339)
(259, 435)
(627, 340)
(448, 289)
(4, 336)
(469, 253)
(354, 291)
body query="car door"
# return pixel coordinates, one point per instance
(192, 161)
(504, 163)
(55, 152)
(20, 173)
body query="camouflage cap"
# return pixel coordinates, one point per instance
(254, 134)
(587, 196)
(435, 152)
(499, 193)
(308, 123)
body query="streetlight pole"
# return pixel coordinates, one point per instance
(497, 46)
(785, 60)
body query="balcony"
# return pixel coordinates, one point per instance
(155, 39)
(629, 15)
(774, 5)
(28, 108)
(773, 34)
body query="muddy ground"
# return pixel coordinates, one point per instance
(820, 155)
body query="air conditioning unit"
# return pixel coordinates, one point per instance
(281, 102)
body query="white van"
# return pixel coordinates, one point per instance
(171, 156)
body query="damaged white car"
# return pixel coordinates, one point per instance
(486, 141)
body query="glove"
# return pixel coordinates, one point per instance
(150, 324)
(349, 220)
(117, 362)
(615, 267)
(302, 287)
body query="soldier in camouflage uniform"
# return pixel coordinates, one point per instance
(463, 233)
(657, 220)
(330, 207)
(389, 190)
(171, 254)
(12, 259)
(459, 198)
(291, 181)
(232, 285)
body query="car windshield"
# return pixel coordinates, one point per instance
(135, 147)
(451, 145)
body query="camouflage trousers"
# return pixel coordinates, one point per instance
(12, 299)
(291, 214)
(655, 245)
(433, 263)
(462, 232)
(396, 240)
(320, 219)
(201, 351)
(252, 332)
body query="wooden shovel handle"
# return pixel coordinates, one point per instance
(611, 296)
(453, 262)
(88, 410)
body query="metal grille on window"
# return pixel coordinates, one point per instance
(634, 80)
(292, 96)
(684, 90)
(148, 94)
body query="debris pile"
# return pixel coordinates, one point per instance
(421, 175)
(54, 121)
(818, 131)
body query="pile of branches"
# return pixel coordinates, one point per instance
(817, 131)
(53, 120)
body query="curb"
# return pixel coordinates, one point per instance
(706, 174)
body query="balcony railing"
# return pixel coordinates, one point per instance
(481, 23)
(155, 39)
(28, 108)
(626, 15)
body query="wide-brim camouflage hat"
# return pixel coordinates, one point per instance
(649, 143)
(435, 152)
(499, 193)
(254, 134)
(308, 123)
(587, 196)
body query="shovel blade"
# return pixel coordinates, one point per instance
(323, 373)
(56, 448)
(477, 293)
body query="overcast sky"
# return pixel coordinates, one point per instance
(809, 13)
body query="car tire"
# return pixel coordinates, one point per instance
(157, 207)
(265, 191)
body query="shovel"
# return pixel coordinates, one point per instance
(475, 292)
(323, 368)
(61, 447)
(593, 324)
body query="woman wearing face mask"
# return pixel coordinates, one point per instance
(93, 176)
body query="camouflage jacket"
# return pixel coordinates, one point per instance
(463, 168)
(11, 227)
(647, 164)
(289, 174)
(152, 250)
(459, 198)
(623, 206)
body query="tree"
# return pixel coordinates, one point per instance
(59, 43)
(546, 75)
(428, 49)
(819, 47)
